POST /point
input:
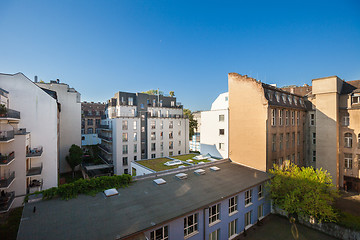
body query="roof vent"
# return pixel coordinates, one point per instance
(111, 192)
(181, 176)
(200, 171)
(214, 168)
(159, 181)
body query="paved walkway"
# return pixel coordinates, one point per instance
(349, 202)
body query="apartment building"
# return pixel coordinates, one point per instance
(70, 118)
(194, 142)
(142, 126)
(90, 122)
(267, 123)
(29, 121)
(214, 128)
(179, 205)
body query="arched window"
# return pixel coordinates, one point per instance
(348, 140)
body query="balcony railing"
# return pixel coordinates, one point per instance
(105, 126)
(33, 171)
(105, 137)
(5, 181)
(106, 149)
(6, 199)
(35, 185)
(20, 131)
(105, 159)
(10, 114)
(156, 115)
(34, 152)
(6, 135)
(6, 158)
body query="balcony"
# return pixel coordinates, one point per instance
(6, 159)
(105, 159)
(5, 181)
(34, 152)
(10, 115)
(6, 136)
(34, 171)
(20, 131)
(35, 185)
(156, 115)
(106, 149)
(106, 138)
(6, 200)
(105, 127)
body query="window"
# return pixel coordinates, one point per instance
(171, 135)
(281, 117)
(273, 117)
(215, 235)
(214, 213)
(124, 137)
(277, 95)
(162, 146)
(125, 149)
(359, 140)
(135, 149)
(162, 154)
(160, 234)
(130, 101)
(260, 191)
(148, 102)
(135, 125)
(260, 211)
(152, 146)
(348, 140)
(248, 196)
(221, 131)
(179, 133)
(97, 130)
(312, 119)
(161, 124)
(356, 98)
(281, 141)
(221, 118)
(154, 102)
(232, 228)
(190, 224)
(153, 125)
(346, 119)
(179, 143)
(293, 158)
(284, 98)
(314, 156)
(281, 160)
(314, 138)
(172, 103)
(233, 204)
(133, 171)
(124, 125)
(171, 153)
(298, 158)
(153, 155)
(297, 118)
(125, 161)
(348, 160)
(179, 152)
(171, 145)
(171, 124)
(221, 146)
(126, 171)
(135, 137)
(248, 218)
(142, 129)
(142, 117)
(90, 130)
(293, 139)
(160, 103)
(287, 140)
(274, 142)
(287, 118)
(293, 118)
(161, 135)
(298, 138)
(290, 99)
(90, 122)
(97, 122)
(82, 131)
(153, 136)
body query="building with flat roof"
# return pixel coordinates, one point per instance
(142, 126)
(213, 201)
(91, 113)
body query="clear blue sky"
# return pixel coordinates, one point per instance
(100, 47)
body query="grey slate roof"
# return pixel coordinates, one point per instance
(138, 207)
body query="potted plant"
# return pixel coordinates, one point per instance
(3, 110)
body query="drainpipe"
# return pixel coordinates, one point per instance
(204, 222)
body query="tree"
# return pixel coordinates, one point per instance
(154, 92)
(172, 93)
(75, 157)
(192, 122)
(303, 192)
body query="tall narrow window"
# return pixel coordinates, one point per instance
(125, 161)
(248, 218)
(130, 101)
(190, 224)
(171, 124)
(273, 117)
(287, 140)
(171, 135)
(346, 119)
(125, 149)
(135, 136)
(221, 118)
(348, 161)
(348, 140)
(314, 156)
(215, 235)
(153, 126)
(314, 138)
(293, 118)
(298, 138)
(287, 117)
(125, 137)
(260, 191)
(281, 140)
(248, 197)
(293, 139)
(135, 148)
(233, 228)
(135, 125)
(124, 125)
(298, 118)
(153, 136)
(214, 213)
(312, 119)
(281, 117)
(274, 142)
(233, 205)
(260, 211)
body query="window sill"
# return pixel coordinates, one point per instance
(213, 223)
(233, 236)
(260, 198)
(249, 204)
(248, 226)
(261, 218)
(233, 213)
(191, 234)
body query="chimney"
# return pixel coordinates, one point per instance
(57, 80)
(35, 79)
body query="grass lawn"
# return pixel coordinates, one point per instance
(276, 227)
(185, 157)
(157, 164)
(8, 230)
(69, 177)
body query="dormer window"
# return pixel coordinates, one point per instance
(356, 98)
(284, 98)
(277, 95)
(295, 100)
(290, 99)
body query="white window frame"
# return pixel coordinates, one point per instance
(248, 218)
(124, 125)
(260, 191)
(233, 205)
(348, 140)
(248, 197)
(221, 118)
(215, 235)
(135, 125)
(233, 229)
(164, 231)
(192, 228)
(260, 212)
(293, 118)
(281, 117)
(125, 137)
(135, 136)
(348, 160)
(214, 214)
(273, 117)
(287, 116)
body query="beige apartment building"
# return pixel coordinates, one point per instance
(324, 120)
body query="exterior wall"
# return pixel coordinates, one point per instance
(90, 139)
(221, 102)
(139, 169)
(39, 115)
(247, 138)
(210, 133)
(176, 227)
(327, 129)
(70, 119)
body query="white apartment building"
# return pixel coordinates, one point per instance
(142, 126)
(70, 119)
(214, 128)
(28, 139)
